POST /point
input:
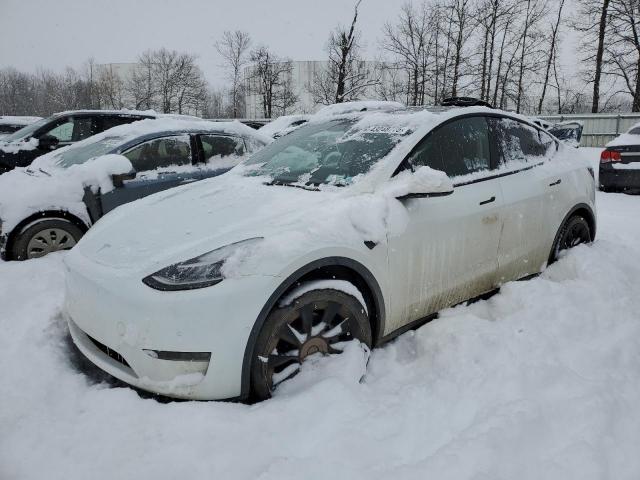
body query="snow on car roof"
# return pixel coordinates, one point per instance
(626, 138)
(282, 124)
(166, 124)
(18, 120)
(358, 106)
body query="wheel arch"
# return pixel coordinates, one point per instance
(42, 215)
(338, 268)
(583, 210)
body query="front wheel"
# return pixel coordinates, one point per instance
(45, 236)
(319, 321)
(574, 232)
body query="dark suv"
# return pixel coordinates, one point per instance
(22, 147)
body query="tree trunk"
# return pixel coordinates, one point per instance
(552, 51)
(596, 79)
(524, 44)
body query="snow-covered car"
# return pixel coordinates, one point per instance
(620, 162)
(49, 206)
(283, 125)
(569, 132)
(360, 226)
(11, 124)
(23, 146)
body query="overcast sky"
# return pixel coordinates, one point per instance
(57, 33)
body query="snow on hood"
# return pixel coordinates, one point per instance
(19, 146)
(193, 219)
(25, 191)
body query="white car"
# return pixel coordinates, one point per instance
(356, 227)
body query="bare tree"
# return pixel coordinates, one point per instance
(591, 21)
(270, 80)
(234, 47)
(623, 49)
(406, 41)
(108, 87)
(140, 86)
(552, 54)
(168, 81)
(533, 14)
(347, 77)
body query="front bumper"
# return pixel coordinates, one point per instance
(117, 322)
(619, 179)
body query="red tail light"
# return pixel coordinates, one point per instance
(610, 156)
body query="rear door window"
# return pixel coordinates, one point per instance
(519, 143)
(107, 122)
(72, 129)
(221, 146)
(161, 153)
(458, 148)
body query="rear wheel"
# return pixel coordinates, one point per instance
(575, 231)
(319, 321)
(45, 236)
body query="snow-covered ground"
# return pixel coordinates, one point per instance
(541, 381)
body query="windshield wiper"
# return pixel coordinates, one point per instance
(289, 184)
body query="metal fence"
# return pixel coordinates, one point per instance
(599, 128)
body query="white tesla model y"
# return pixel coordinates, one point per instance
(357, 226)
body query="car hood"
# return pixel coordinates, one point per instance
(188, 221)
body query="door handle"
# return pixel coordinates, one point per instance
(557, 182)
(492, 199)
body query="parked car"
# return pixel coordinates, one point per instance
(620, 163)
(11, 124)
(50, 205)
(569, 132)
(61, 129)
(358, 226)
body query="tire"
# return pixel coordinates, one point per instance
(574, 231)
(293, 332)
(45, 236)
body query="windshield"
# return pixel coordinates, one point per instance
(27, 131)
(82, 152)
(333, 152)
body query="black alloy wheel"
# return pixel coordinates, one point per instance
(319, 321)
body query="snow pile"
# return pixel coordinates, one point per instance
(15, 147)
(18, 120)
(357, 106)
(339, 285)
(25, 191)
(627, 138)
(423, 180)
(542, 381)
(283, 125)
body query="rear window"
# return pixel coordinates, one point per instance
(635, 130)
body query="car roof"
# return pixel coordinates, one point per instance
(133, 113)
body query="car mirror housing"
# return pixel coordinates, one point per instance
(119, 178)
(48, 142)
(421, 183)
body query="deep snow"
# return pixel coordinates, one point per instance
(541, 381)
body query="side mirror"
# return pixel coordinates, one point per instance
(422, 183)
(48, 142)
(119, 178)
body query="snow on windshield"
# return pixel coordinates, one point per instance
(334, 152)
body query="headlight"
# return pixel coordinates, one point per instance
(199, 272)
